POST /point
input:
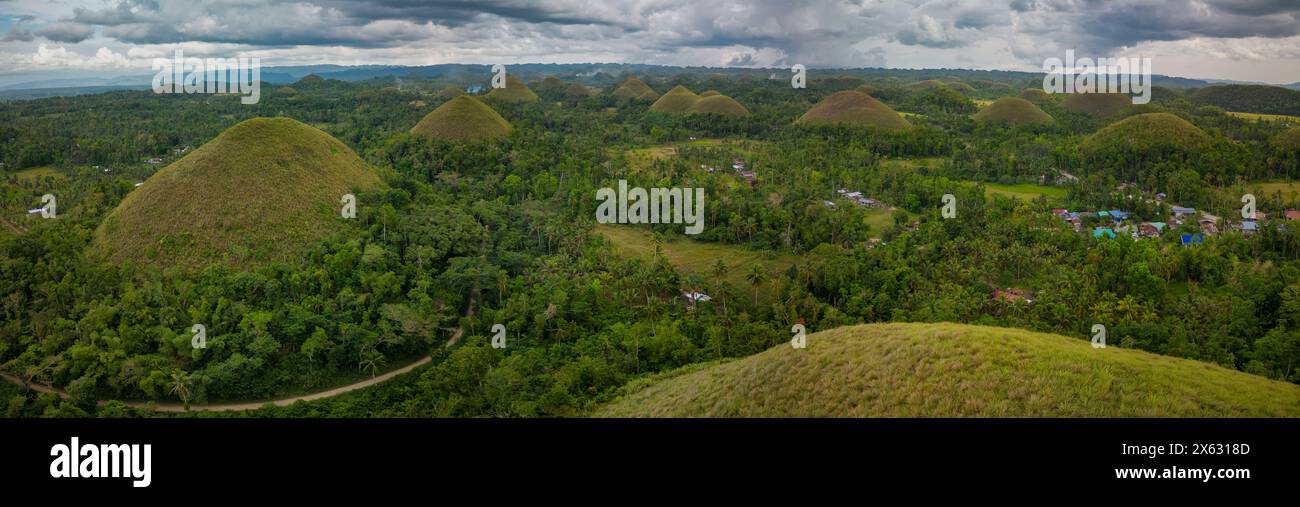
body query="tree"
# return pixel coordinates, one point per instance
(181, 383)
(756, 276)
(372, 360)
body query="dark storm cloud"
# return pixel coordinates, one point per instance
(17, 33)
(67, 32)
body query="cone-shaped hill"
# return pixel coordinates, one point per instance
(552, 85)
(515, 91)
(677, 100)
(576, 91)
(463, 118)
(709, 93)
(1151, 132)
(261, 191)
(1035, 95)
(448, 92)
(1099, 105)
(633, 88)
(953, 370)
(1013, 110)
(718, 104)
(853, 107)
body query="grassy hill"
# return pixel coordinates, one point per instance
(515, 91)
(576, 91)
(1250, 98)
(261, 191)
(1289, 139)
(854, 108)
(718, 104)
(1013, 110)
(678, 100)
(1098, 105)
(1149, 132)
(463, 118)
(634, 88)
(1035, 95)
(954, 370)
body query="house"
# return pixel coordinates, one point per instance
(1260, 215)
(1292, 214)
(1076, 223)
(696, 296)
(869, 202)
(1103, 231)
(1058, 211)
(1151, 229)
(1103, 214)
(853, 195)
(1192, 239)
(1161, 196)
(1208, 227)
(1248, 227)
(1180, 211)
(153, 161)
(1119, 215)
(1011, 295)
(829, 204)
(749, 176)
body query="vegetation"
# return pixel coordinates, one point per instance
(514, 92)
(953, 370)
(1100, 105)
(1013, 111)
(678, 100)
(262, 191)
(1250, 98)
(463, 118)
(853, 108)
(718, 104)
(633, 88)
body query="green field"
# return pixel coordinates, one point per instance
(911, 163)
(1026, 191)
(1282, 118)
(954, 370)
(879, 219)
(36, 173)
(690, 256)
(1288, 189)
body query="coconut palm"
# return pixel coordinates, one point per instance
(756, 276)
(181, 383)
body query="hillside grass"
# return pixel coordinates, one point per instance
(1280, 118)
(953, 370)
(261, 191)
(36, 173)
(855, 108)
(1026, 191)
(690, 256)
(463, 118)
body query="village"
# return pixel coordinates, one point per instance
(1109, 224)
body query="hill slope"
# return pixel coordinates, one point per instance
(718, 104)
(678, 100)
(515, 91)
(633, 88)
(1013, 110)
(263, 190)
(853, 107)
(954, 370)
(463, 118)
(1147, 133)
(1098, 105)
(1250, 98)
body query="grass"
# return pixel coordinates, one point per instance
(1281, 118)
(879, 219)
(1288, 189)
(1147, 131)
(718, 104)
(36, 173)
(514, 91)
(1026, 191)
(462, 118)
(954, 370)
(690, 256)
(856, 108)
(261, 191)
(1097, 104)
(678, 100)
(1013, 110)
(911, 163)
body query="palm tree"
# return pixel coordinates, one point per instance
(756, 276)
(372, 360)
(181, 383)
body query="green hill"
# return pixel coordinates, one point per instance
(261, 191)
(1099, 105)
(927, 84)
(1035, 95)
(678, 100)
(633, 88)
(648, 96)
(1013, 110)
(515, 91)
(449, 92)
(1250, 98)
(1150, 132)
(552, 85)
(576, 91)
(954, 370)
(854, 108)
(463, 118)
(709, 93)
(718, 104)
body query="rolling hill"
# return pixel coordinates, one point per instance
(1098, 105)
(954, 370)
(463, 118)
(678, 100)
(261, 191)
(515, 91)
(718, 104)
(633, 88)
(853, 107)
(1013, 110)
(1250, 98)
(1150, 132)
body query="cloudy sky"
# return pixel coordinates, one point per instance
(1250, 40)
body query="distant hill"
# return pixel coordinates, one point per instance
(718, 104)
(514, 91)
(633, 88)
(1150, 133)
(954, 370)
(463, 118)
(261, 191)
(677, 100)
(1289, 139)
(855, 108)
(1100, 105)
(1014, 111)
(1250, 99)
(1035, 95)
